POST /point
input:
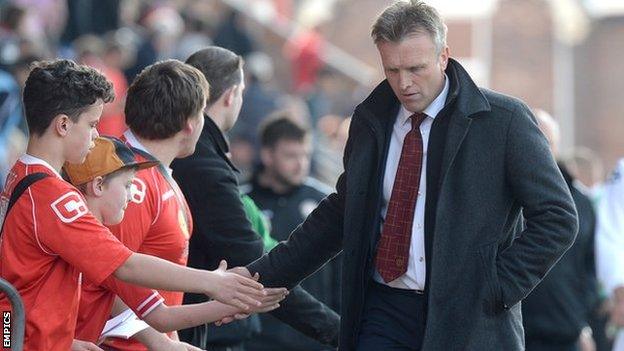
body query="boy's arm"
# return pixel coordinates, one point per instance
(156, 273)
(171, 318)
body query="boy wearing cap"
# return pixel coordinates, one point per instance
(105, 179)
(49, 236)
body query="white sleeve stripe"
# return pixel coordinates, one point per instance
(146, 301)
(156, 304)
(34, 217)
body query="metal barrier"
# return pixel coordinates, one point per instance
(18, 318)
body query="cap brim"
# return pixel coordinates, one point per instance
(142, 165)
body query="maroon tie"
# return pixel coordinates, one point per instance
(394, 245)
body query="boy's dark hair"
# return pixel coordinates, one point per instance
(281, 126)
(61, 87)
(163, 97)
(221, 67)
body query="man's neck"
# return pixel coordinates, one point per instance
(41, 148)
(268, 181)
(217, 115)
(165, 150)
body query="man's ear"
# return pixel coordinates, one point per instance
(229, 95)
(266, 156)
(62, 124)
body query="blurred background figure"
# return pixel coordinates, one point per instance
(556, 314)
(282, 189)
(610, 250)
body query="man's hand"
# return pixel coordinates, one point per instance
(79, 345)
(269, 302)
(586, 341)
(617, 313)
(234, 289)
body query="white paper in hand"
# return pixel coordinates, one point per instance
(124, 326)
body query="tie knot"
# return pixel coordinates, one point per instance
(417, 119)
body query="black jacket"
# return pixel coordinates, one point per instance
(494, 164)
(221, 230)
(285, 212)
(561, 305)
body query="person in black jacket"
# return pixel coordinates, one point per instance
(222, 231)
(286, 194)
(556, 314)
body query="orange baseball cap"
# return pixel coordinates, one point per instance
(109, 155)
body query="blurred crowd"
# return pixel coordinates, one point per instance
(122, 37)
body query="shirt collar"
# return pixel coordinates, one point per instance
(32, 160)
(433, 109)
(133, 141)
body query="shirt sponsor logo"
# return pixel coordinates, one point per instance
(137, 191)
(69, 207)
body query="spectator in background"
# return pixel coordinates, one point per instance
(286, 194)
(556, 314)
(331, 138)
(10, 119)
(231, 34)
(610, 249)
(208, 180)
(93, 51)
(259, 99)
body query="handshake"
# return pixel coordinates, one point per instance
(237, 288)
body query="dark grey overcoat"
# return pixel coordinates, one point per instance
(493, 168)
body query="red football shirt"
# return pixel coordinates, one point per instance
(157, 222)
(49, 238)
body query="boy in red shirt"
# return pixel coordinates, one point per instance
(49, 237)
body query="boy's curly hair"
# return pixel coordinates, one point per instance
(61, 87)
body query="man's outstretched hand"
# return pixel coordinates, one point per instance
(269, 302)
(235, 289)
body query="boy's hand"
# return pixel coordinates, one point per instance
(234, 289)
(79, 345)
(179, 346)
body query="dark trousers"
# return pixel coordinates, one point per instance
(392, 319)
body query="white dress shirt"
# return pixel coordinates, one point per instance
(414, 278)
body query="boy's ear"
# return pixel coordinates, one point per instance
(62, 124)
(96, 187)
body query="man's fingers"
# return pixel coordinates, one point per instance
(248, 300)
(222, 265)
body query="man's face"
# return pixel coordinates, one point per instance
(288, 161)
(115, 196)
(237, 103)
(414, 70)
(81, 134)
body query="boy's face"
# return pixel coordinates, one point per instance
(81, 134)
(115, 196)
